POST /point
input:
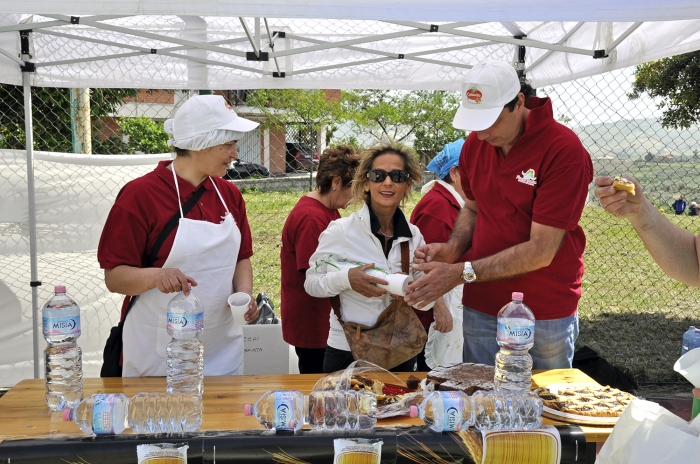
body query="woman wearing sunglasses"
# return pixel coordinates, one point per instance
(373, 235)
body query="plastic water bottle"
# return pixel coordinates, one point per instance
(342, 410)
(62, 358)
(185, 353)
(694, 341)
(280, 410)
(144, 413)
(506, 410)
(515, 335)
(102, 414)
(445, 411)
(687, 339)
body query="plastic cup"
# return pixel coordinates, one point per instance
(689, 366)
(397, 283)
(238, 302)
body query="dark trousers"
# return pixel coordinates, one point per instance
(420, 358)
(310, 360)
(336, 360)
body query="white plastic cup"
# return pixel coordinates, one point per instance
(689, 366)
(238, 302)
(397, 283)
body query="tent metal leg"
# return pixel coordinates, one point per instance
(28, 127)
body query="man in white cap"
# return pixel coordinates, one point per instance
(526, 178)
(209, 246)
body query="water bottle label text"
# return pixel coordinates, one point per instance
(452, 409)
(521, 334)
(185, 322)
(102, 413)
(61, 325)
(284, 411)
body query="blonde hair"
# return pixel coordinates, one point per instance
(410, 162)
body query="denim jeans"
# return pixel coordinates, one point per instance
(554, 340)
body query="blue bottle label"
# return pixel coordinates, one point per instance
(284, 411)
(186, 322)
(516, 331)
(102, 414)
(452, 411)
(61, 325)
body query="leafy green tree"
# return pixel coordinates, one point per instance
(435, 128)
(676, 81)
(145, 135)
(383, 113)
(305, 110)
(51, 115)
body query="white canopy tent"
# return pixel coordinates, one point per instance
(393, 44)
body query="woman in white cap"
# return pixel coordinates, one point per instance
(209, 246)
(435, 215)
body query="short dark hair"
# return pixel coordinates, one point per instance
(526, 89)
(339, 161)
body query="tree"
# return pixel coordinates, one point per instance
(145, 135)
(51, 115)
(383, 113)
(676, 80)
(307, 110)
(435, 122)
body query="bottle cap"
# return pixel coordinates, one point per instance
(414, 411)
(248, 410)
(517, 296)
(59, 289)
(66, 415)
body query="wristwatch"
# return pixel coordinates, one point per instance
(468, 273)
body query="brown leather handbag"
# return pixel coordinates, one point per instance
(396, 337)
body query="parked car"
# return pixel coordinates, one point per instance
(300, 156)
(243, 170)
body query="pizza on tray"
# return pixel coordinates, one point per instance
(586, 400)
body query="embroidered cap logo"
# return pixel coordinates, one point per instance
(474, 96)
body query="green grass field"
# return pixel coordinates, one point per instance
(631, 313)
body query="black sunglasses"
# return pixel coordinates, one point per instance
(397, 176)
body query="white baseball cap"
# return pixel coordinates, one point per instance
(204, 121)
(486, 89)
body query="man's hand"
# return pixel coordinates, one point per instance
(252, 313)
(362, 283)
(440, 278)
(442, 316)
(441, 252)
(619, 202)
(171, 280)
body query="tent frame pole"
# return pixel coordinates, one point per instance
(27, 71)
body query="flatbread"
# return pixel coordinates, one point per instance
(593, 401)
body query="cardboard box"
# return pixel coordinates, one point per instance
(265, 352)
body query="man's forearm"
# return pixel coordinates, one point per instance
(243, 277)
(461, 237)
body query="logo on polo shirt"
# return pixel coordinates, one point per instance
(474, 96)
(527, 178)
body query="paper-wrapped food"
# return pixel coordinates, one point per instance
(394, 396)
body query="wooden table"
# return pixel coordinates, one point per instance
(23, 411)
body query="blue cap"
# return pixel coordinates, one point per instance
(448, 157)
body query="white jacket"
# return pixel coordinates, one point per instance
(351, 238)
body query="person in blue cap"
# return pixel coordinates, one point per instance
(435, 216)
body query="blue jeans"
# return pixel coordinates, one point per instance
(554, 340)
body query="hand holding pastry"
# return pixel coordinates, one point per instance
(621, 197)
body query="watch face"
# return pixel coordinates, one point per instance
(468, 273)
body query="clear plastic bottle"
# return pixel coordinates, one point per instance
(185, 353)
(63, 365)
(144, 413)
(687, 339)
(445, 411)
(342, 410)
(694, 340)
(280, 410)
(515, 335)
(102, 414)
(506, 410)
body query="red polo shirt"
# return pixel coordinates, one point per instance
(305, 319)
(435, 216)
(545, 179)
(145, 205)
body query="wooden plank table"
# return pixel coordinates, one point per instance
(23, 411)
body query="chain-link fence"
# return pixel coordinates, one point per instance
(631, 313)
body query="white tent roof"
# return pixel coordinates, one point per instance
(333, 44)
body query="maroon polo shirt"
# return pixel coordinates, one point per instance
(145, 205)
(435, 216)
(545, 179)
(305, 319)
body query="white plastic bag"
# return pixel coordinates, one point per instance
(647, 433)
(442, 349)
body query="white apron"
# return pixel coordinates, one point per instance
(206, 252)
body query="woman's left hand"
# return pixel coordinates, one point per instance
(442, 316)
(252, 314)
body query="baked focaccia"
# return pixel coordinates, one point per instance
(591, 401)
(620, 183)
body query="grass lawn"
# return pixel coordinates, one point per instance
(631, 313)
